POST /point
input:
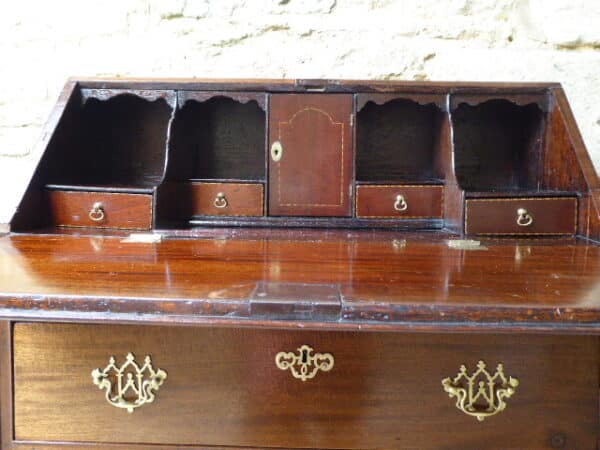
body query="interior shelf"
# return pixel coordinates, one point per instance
(118, 143)
(218, 139)
(396, 142)
(497, 145)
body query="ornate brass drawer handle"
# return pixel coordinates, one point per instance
(97, 214)
(524, 218)
(221, 201)
(304, 365)
(481, 395)
(129, 386)
(400, 203)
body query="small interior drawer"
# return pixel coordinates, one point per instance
(398, 201)
(515, 216)
(231, 387)
(100, 209)
(227, 199)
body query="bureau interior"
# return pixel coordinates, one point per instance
(206, 155)
(119, 143)
(397, 142)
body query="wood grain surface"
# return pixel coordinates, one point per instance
(399, 279)
(223, 388)
(240, 199)
(314, 175)
(127, 211)
(498, 216)
(425, 201)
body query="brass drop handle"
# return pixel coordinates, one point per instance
(97, 214)
(304, 365)
(524, 218)
(220, 201)
(481, 394)
(276, 151)
(400, 203)
(129, 385)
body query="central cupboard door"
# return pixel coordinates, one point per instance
(311, 155)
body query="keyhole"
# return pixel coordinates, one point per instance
(276, 151)
(304, 356)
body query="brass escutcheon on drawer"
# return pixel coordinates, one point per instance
(304, 365)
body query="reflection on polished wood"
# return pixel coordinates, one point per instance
(554, 282)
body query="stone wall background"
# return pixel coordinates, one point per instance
(44, 42)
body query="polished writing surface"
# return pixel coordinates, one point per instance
(379, 276)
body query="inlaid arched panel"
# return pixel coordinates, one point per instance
(310, 166)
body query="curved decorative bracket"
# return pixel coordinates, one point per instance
(129, 386)
(481, 395)
(304, 365)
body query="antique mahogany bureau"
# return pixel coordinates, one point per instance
(304, 264)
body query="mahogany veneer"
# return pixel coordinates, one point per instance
(375, 236)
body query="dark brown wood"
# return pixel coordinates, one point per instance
(380, 99)
(6, 385)
(384, 391)
(213, 297)
(217, 137)
(126, 211)
(378, 201)
(240, 97)
(314, 175)
(498, 216)
(238, 199)
(396, 141)
(392, 281)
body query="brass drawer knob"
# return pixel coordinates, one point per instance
(221, 201)
(304, 365)
(96, 214)
(129, 386)
(524, 218)
(482, 394)
(400, 203)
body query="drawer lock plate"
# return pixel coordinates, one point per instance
(130, 385)
(482, 394)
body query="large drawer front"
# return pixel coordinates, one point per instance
(225, 387)
(530, 216)
(101, 209)
(399, 202)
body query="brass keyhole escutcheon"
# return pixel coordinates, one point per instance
(400, 203)
(220, 201)
(276, 151)
(97, 214)
(524, 218)
(306, 363)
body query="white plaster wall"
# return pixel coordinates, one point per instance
(44, 42)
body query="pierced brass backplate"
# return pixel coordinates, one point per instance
(304, 365)
(129, 386)
(481, 395)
